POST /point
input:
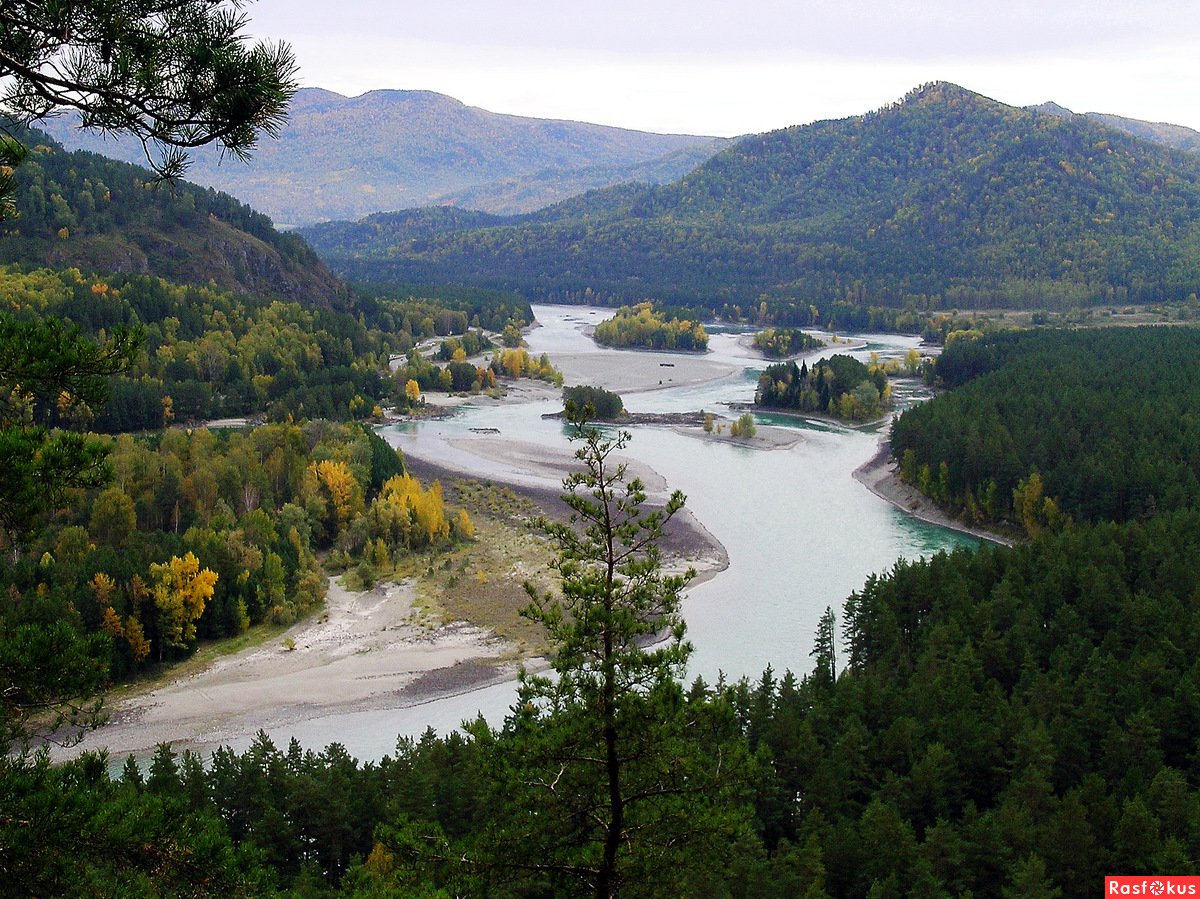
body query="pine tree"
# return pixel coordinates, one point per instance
(618, 776)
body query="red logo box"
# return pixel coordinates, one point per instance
(1151, 885)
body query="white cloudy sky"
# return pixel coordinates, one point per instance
(727, 68)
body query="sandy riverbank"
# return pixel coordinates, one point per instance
(878, 475)
(537, 472)
(378, 649)
(367, 650)
(631, 371)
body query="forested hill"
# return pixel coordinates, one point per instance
(946, 194)
(345, 157)
(87, 211)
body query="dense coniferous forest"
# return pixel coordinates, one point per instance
(1098, 422)
(944, 200)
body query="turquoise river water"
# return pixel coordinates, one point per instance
(800, 532)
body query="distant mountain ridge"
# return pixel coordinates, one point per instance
(80, 209)
(945, 198)
(346, 157)
(1178, 137)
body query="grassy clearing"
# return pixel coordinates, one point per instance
(481, 581)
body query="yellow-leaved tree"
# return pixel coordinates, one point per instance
(332, 495)
(412, 392)
(406, 514)
(135, 636)
(181, 590)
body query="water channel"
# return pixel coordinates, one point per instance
(800, 532)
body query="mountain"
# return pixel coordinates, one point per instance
(549, 186)
(346, 157)
(946, 197)
(1178, 137)
(86, 211)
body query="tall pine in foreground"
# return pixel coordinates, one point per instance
(607, 779)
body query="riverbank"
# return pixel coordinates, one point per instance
(536, 473)
(878, 475)
(451, 628)
(372, 649)
(391, 663)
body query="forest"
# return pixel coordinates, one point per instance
(1002, 722)
(199, 535)
(82, 209)
(644, 327)
(212, 353)
(1093, 424)
(1005, 722)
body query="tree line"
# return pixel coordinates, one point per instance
(1097, 421)
(212, 353)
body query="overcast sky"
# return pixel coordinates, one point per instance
(728, 68)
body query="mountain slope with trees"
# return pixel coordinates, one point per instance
(86, 211)
(946, 197)
(346, 157)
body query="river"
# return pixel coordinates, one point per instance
(800, 532)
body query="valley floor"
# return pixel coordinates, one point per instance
(402, 644)
(406, 643)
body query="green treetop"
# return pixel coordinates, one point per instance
(177, 74)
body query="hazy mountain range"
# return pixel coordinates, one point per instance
(343, 158)
(946, 196)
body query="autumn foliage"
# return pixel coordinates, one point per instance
(181, 588)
